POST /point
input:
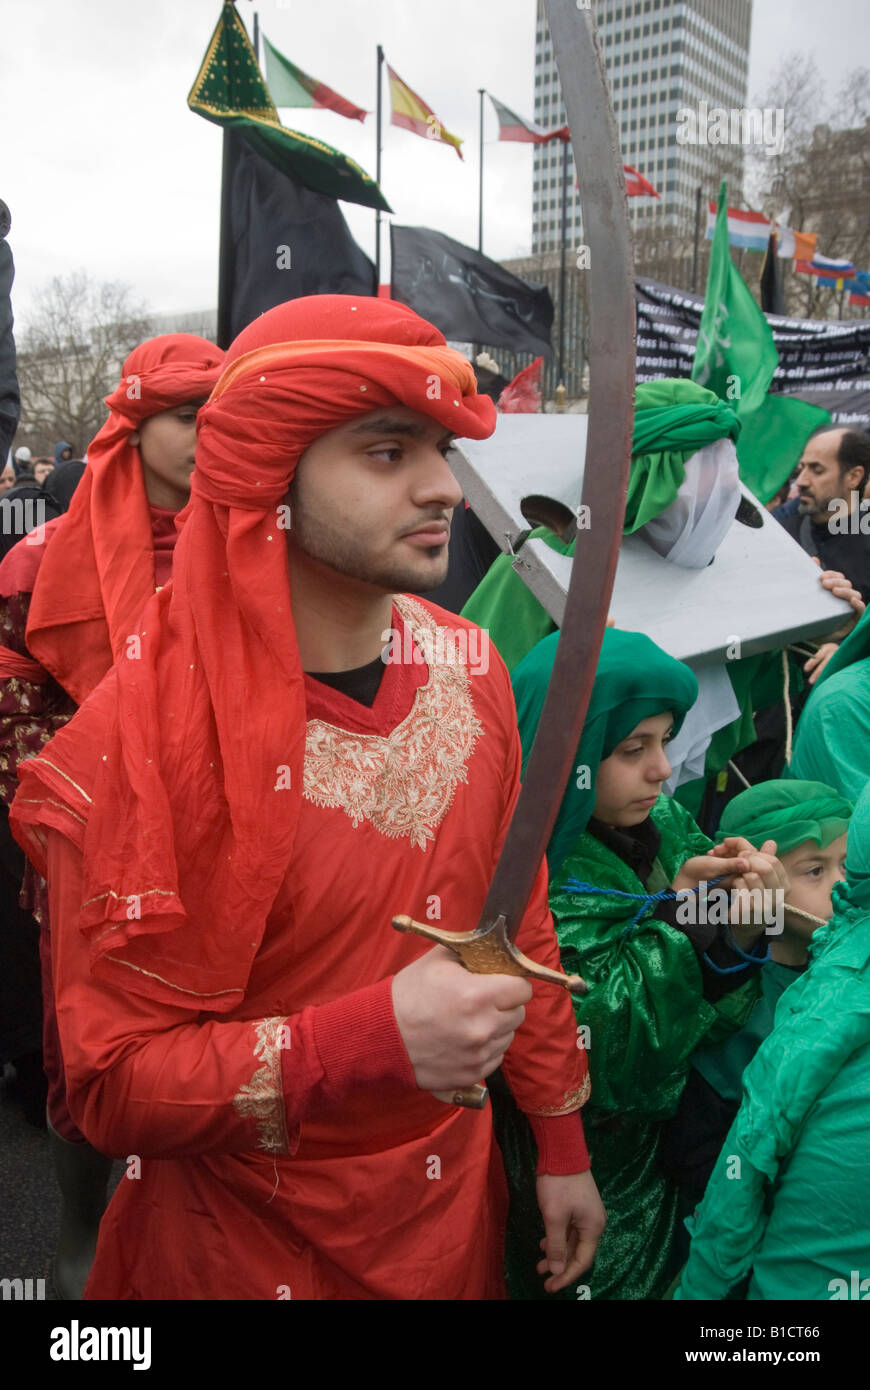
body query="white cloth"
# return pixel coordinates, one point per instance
(715, 707)
(691, 529)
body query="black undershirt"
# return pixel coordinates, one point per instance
(362, 684)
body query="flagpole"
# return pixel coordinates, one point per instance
(225, 260)
(697, 247)
(563, 265)
(482, 91)
(257, 37)
(378, 173)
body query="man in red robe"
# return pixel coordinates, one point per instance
(70, 594)
(230, 824)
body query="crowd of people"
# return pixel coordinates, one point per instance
(220, 787)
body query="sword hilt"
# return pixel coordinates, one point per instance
(487, 951)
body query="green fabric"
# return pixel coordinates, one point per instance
(646, 1014)
(736, 357)
(673, 419)
(788, 811)
(853, 648)
(229, 90)
(832, 743)
(772, 440)
(787, 1198)
(722, 1065)
(634, 680)
(503, 606)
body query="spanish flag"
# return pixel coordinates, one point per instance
(412, 113)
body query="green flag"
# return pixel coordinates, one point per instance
(736, 357)
(229, 90)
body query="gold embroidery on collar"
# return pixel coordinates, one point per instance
(404, 782)
(262, 1097)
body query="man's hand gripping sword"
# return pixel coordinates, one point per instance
(490, 948)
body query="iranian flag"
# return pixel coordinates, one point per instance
(514, 127)
(290, 86)
(411, 113)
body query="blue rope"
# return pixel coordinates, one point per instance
(646, 900)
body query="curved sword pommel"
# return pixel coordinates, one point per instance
(487, 951)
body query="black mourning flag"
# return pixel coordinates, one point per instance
(469, 297)
(279, 241)
(772, 294)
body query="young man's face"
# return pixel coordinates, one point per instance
(373, 499)
(41, 471)
(812, 873)
(167, 446)
(7, 478)
(630, 780)
(819, 479)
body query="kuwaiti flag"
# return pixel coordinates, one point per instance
(795, 246)
(832, 274)
(514, 127)
(636, 186)
(290, 86)
(411, 113)
(748, 230)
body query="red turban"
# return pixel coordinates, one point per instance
(94, 582)
(173, 792)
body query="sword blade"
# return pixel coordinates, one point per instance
(608, 456)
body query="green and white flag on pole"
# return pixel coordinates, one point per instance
(736, 357)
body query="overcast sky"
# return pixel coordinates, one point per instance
(106, 169)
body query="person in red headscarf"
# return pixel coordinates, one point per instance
(70, 595)
(298, 751)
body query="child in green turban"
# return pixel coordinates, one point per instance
(658, 985)
(785, 1213)
(809, 822)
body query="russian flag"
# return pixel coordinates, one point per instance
(748, 230)
(832, 274)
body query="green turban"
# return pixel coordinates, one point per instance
(790, 812)
(672, 421)
(634, 680)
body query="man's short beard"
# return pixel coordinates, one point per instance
(343, 553)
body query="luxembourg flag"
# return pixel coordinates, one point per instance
(748, 230)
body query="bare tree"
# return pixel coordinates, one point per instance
(821, 176)
(70, 356)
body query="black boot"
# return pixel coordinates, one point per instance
(83, 1177)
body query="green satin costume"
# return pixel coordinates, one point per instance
(786, 1207)
(645, 1009)
(792, 813)
(832, 742)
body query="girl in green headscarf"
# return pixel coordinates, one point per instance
(657, 986)
(786, 1207)
(808, 821)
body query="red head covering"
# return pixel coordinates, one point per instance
(190, 813)
(94, 582)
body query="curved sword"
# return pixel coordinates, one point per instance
(490, 948)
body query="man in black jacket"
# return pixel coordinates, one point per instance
(829, 521)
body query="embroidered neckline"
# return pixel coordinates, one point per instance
(402, 783)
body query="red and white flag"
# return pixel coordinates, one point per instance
(636, 186)
(514, 127)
